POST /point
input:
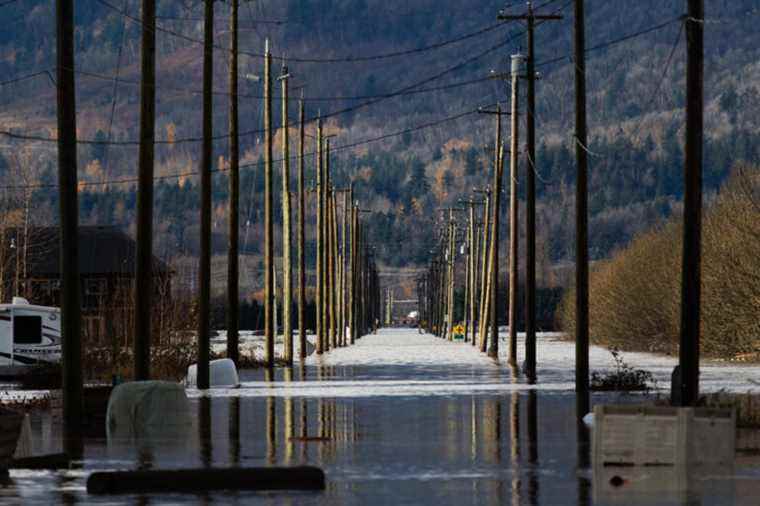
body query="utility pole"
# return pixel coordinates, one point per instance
(233, 293)
(472, 279)
(514, 224)
(475, 295)
(691, 275)
(69, 235)
(582, 399)
(301, 235)
(344, 242)
(530, 249)
(331, 263)
(353, 269)
(204, 282)
(329, 326)
(493, 349)
(493, 253)
(269, 300)
(287, 277)
(451, 261)
(144, 267)
(484, 277)
(320, 241)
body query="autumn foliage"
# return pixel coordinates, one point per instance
(635, 296)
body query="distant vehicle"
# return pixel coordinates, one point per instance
(29, 336)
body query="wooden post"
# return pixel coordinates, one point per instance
(354, 269)
(451, 261)
(204, 270)
(331, 260)
(144, 267)
(287, 277)
(472, 260)
(493, 348)
(269, 300)
(320, 243)
(514, 205)
(465, 309)
(343, 282)
(475, 296)
(530, 249)
(301, 234)
(233, 295)
(327, 255)
(484, 295)
(582, 399)
(691, 275)
(69, 235)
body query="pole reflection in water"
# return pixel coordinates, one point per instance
(473, 430)
(514, 436)
(532, 448)
(234, 426)
(584, 491)
(204, 430)
(290, 432)
(271, 423)
(304, 432)
(271, 430)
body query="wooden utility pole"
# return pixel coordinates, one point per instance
(327, 257)
(450, 264)
(69, 235)
(144, 260)
(471, 269)
(530, 249)
(352, 269)
(233, 292)
(332, 265)
(691, 275)
(320, 243)
(467, 279)
(475, 295)
(514, 224)
(301, 234)
(484, 274)
(493, 349)
(582, 400)
(344, 244)
(287, 277)
(269, 300)
(204, 270)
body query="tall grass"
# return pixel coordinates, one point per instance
(635, 296)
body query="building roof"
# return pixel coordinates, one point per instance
(102, 250)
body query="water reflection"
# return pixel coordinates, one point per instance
(204, 430)
(234, 426)
(533, 498)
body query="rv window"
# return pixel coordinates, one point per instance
(27, 329)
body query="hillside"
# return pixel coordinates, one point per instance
(635, 100)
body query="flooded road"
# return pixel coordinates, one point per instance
(400, 418)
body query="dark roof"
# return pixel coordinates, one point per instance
(102, 250)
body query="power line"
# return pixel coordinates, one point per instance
(613, 42)
(343, 147)
(195, 91)
(347, 59)
(339, 112)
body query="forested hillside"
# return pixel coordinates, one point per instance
(417, 70)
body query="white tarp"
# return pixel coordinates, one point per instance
(222, 374)
(147, 408)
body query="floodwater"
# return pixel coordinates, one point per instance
(399, 418)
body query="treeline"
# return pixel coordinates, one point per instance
(635, 296)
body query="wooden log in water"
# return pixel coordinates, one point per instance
(201, 480)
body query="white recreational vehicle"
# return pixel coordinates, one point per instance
(29, 336)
